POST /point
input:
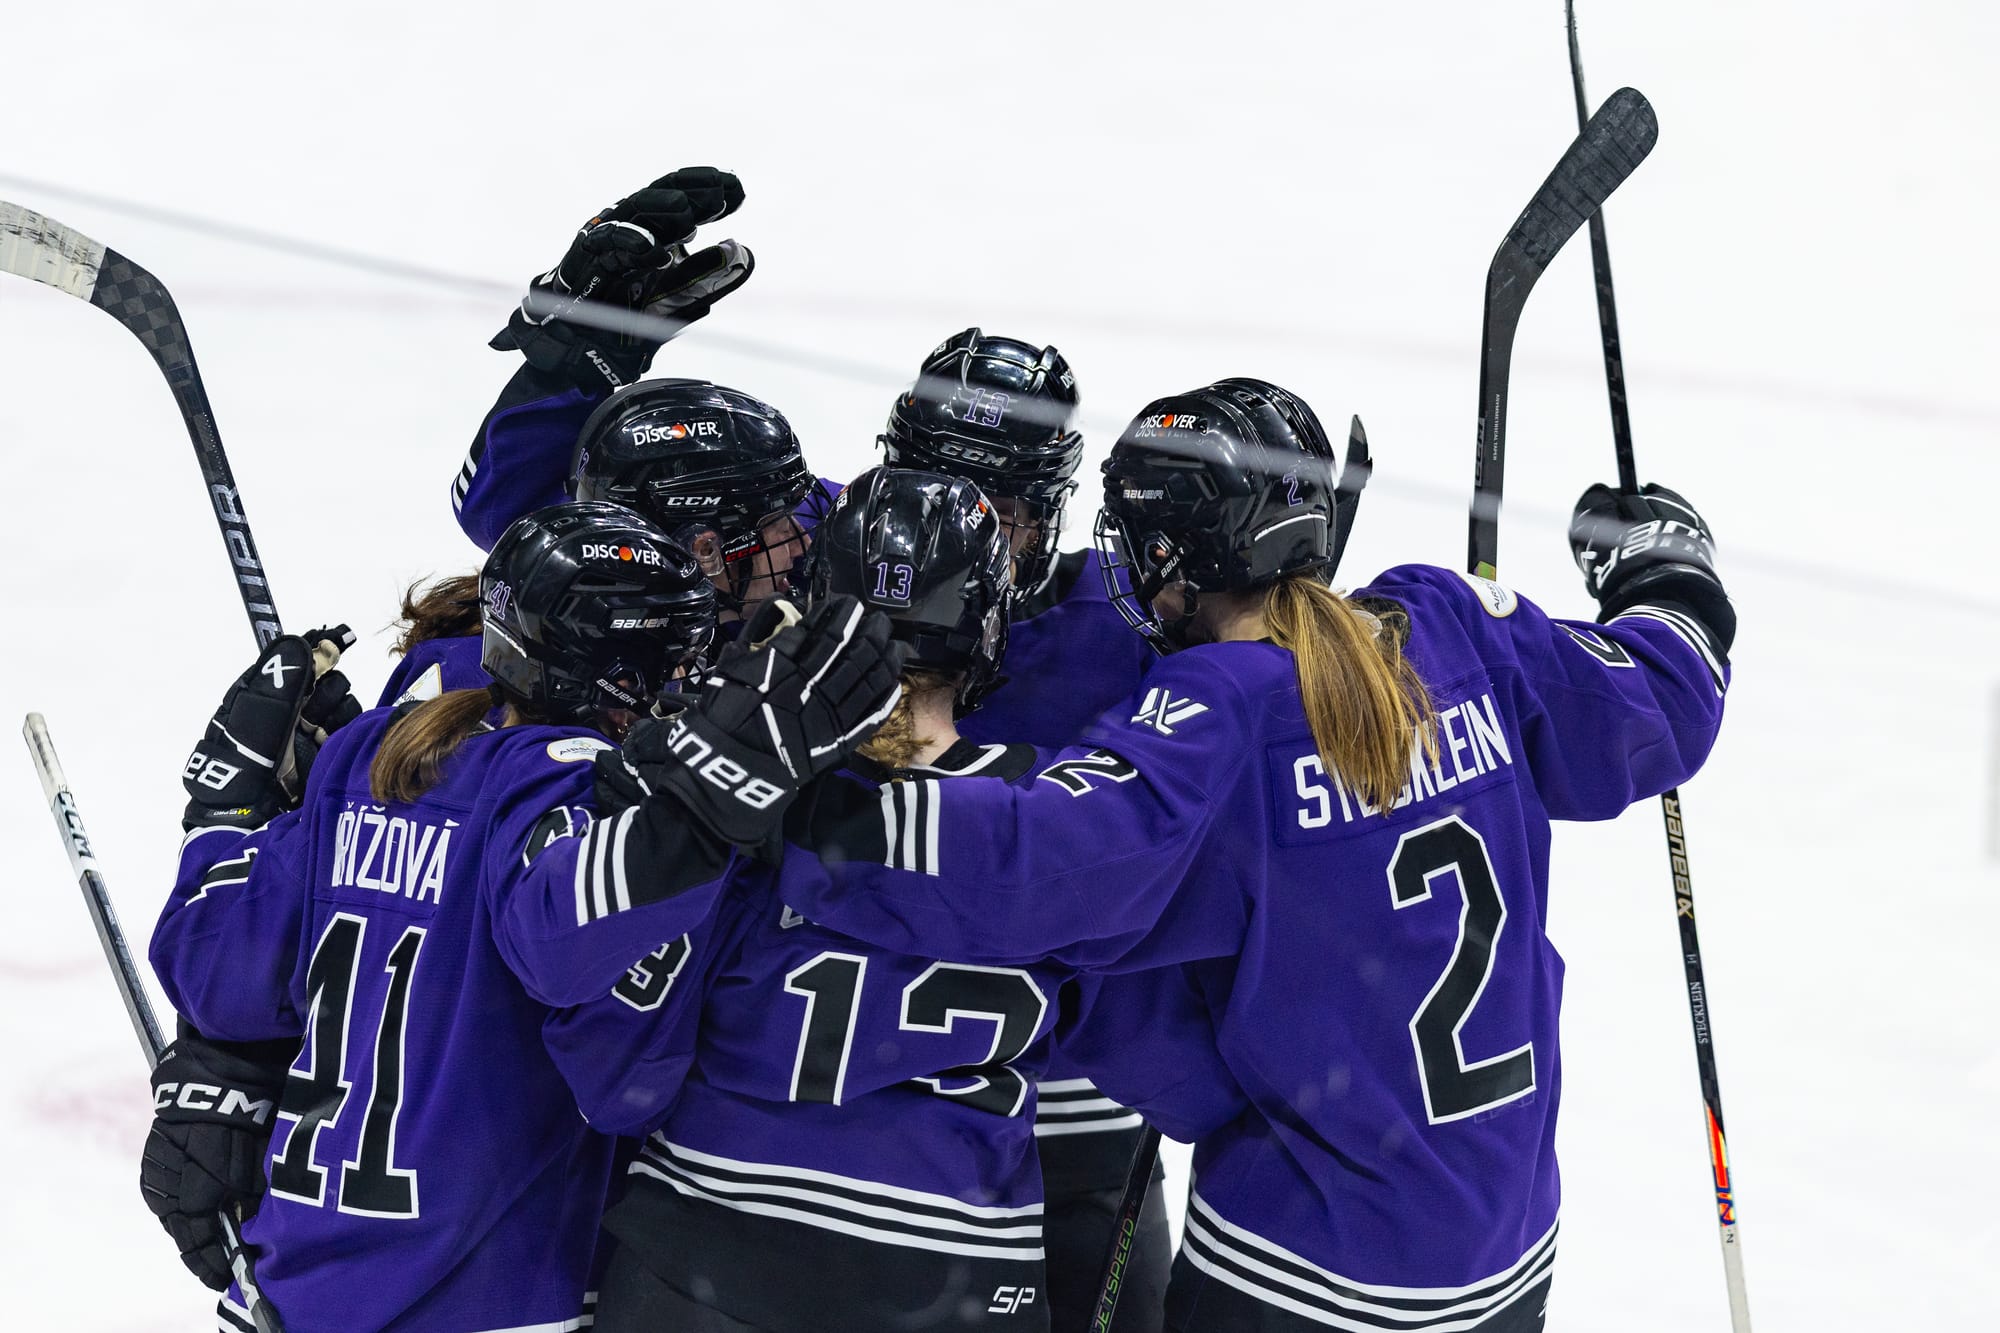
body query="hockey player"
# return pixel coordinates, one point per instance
(420, 923)
(1332, 814)
(999, 412)
(719, 471)
(866, 1114)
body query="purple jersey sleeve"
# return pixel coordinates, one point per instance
(581, 897)
(1609, 714)
(229, 937)
(520, 460)
(1077, 865)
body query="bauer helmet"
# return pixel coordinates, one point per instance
(997, 412)
(589, 609)
(719, 471)
(928, 551)
(1227, 488)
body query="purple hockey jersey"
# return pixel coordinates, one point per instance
(1380, 987)
(434, 666)
(1064, 666)
(429, 1169)
(520, 459)
(867, 1113)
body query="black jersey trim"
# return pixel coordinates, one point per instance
(1689, 629)
(1276, 1276)
(235, 870)
(866, 1209)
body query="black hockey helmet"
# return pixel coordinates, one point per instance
(721, 472)
(590, 608)
(997, 412)
(1227, 488)
(927, 550)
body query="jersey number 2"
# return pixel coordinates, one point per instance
(1454, 1089)
(371, 1184)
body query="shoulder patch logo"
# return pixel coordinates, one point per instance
(1498, 601)
(1162, 710)
(576, 749)
(427, 686)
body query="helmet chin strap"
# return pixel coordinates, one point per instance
(1180, 631)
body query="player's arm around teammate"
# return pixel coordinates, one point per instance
(1337, 810)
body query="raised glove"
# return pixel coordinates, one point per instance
(627, 283)
(769, 719)
(1649, 546)
(254, 757)
(213, 1107)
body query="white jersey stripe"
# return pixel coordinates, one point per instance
(1389, 1292)
(1047, 1130)
(793, 1174)
(1023, 1252)
(621, 891)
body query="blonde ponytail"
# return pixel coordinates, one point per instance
(1364, 702)
(413, 752)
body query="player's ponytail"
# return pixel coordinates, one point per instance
(413, 752)
(896, 743)
(447, 608)
(1366, 706)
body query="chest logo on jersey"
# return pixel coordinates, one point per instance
(1162, 711)
(386, 853)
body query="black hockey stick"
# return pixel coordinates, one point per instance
(97, 899)
(1125, 1229)
(1670, 803)
(45, 251)
(1613, 143)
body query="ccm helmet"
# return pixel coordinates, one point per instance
(719, 471)
(928, 551)
(1227, 488)
(590, 608)
(997, 412)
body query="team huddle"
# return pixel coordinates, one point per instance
(763, 904)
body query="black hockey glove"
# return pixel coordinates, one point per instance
(628, 284)
(213, 1108)
(253, 760)
(769, 719)
(1651, 547)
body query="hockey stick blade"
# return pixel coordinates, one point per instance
(97, 900)
(1611, 147)
(43, 250)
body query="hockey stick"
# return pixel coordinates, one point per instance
(1670, 802)
(97, 899)
(1613, 143)
(1125, 1229)
(45, 251)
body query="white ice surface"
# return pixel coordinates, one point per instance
(1171, 192)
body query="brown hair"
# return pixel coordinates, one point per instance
(895, 743)
(447, 609)
(414, 749)
(1367, 708)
